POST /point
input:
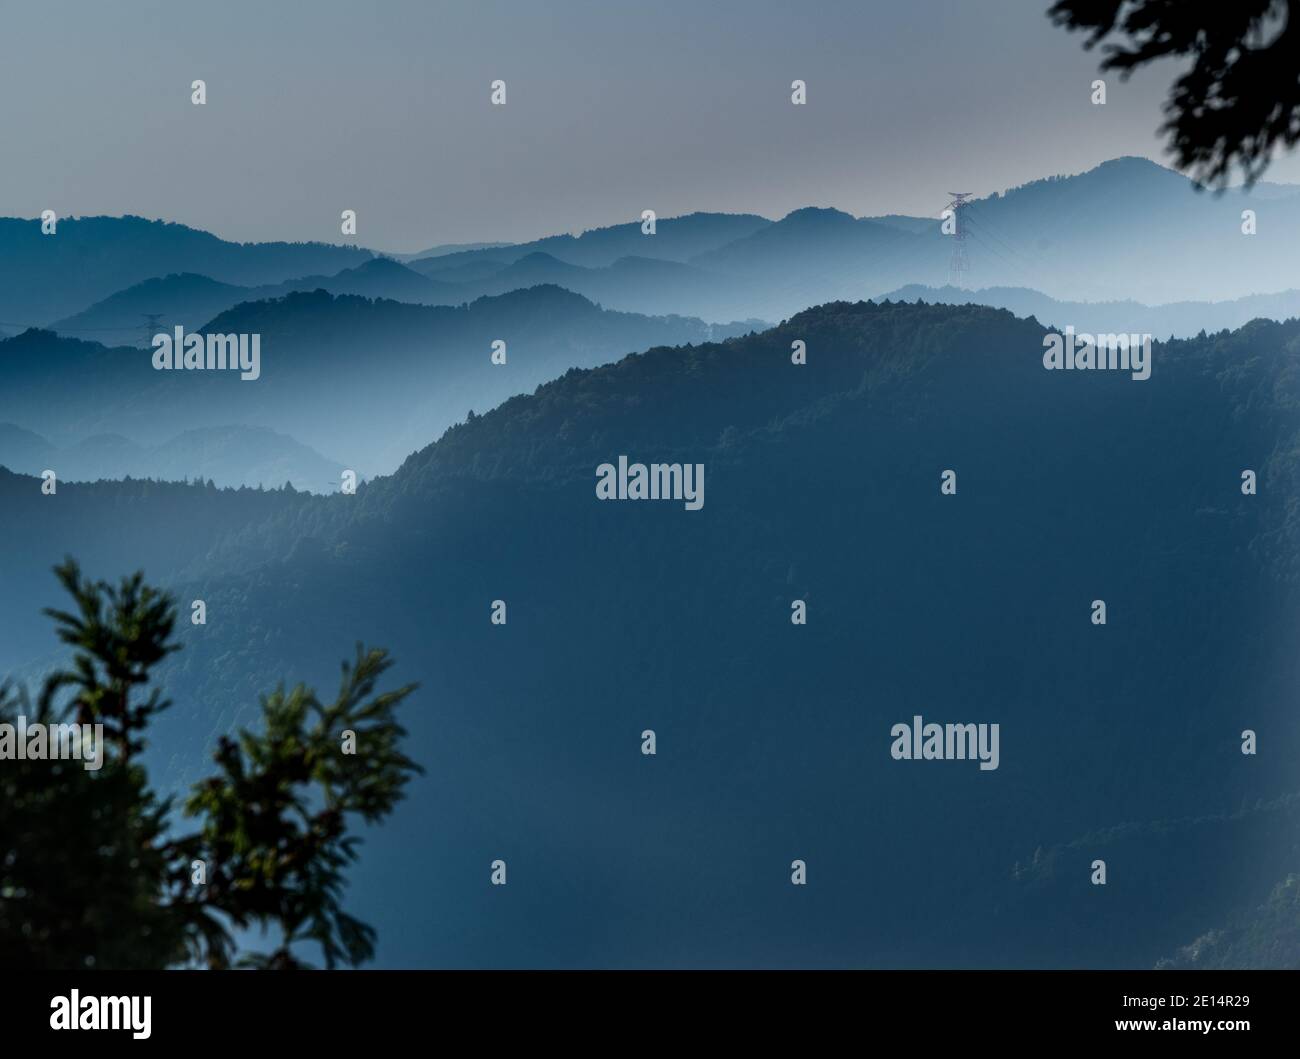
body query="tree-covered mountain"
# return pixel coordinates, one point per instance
(675, 239)
(364, 381)
(191, 301)
(445, 248)
(48, 277)
(122, 319)
(379, 277)
(1265, 937)
(645, 285)
(765, 269)
(1177, 319)
(1051, 235)
(1047, 236)
(1130, 228)
(228, 456)
(1119, 741)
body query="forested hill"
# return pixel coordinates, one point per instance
(943, 372)
(822, 481)
(364, 382)
(44, 277)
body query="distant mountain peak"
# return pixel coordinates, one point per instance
(381, 265)
(1132, 161)
(541, 293)
(1126, 168)
(824, 215)
(538, 257)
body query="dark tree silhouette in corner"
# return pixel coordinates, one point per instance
(1239, 100)
(94, 869)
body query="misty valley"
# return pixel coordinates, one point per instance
(362, 603)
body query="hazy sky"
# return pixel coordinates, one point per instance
(613, 107)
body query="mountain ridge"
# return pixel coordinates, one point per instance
(823, 485)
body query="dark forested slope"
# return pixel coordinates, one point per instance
(822, 483)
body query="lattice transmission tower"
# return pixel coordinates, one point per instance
(150, 326)
(959, 263)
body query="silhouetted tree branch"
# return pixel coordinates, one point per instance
(95, 873)
(1239, 101)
